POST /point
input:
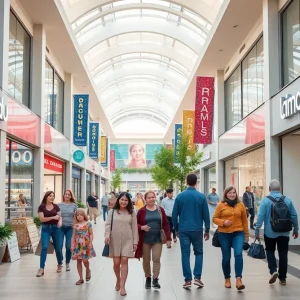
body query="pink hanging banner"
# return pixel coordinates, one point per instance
(204, 110)
(112, 160)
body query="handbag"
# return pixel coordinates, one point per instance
(215, 239)
(163, 235)
(105, 251)
(257, 250)
(50, 249)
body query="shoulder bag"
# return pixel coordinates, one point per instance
(163, 236)
(215, 239)
(105, 251)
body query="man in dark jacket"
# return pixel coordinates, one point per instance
(249, 202)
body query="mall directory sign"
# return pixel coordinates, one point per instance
(81, 116)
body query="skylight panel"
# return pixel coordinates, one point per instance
(127, 13)
(154, 12)
(157, 2)
(126, 2)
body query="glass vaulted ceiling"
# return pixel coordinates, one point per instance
(142, 55)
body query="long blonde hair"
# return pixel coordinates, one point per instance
(147, 193)
(80, 212)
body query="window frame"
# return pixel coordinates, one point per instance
(239, 64)
(54, 72)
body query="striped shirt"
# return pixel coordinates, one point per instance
(67, 213)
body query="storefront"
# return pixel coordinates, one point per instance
(103, 187)
(210, 180)
(76, 186)
(88, 184)
(97, 187)
(247, 170)
(53, 176)
(18, 180)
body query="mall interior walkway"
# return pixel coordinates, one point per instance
(18, 281)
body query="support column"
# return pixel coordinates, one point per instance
(202, 180)
(219, 109)
(83, 186)
(38, 107)
(4, 46)
(93, 187)
(271, 84)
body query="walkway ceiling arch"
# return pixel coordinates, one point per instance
(141, 54)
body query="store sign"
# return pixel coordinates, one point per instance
(188, 127)
(53, 164)
(81, 115)
(94, 140)
(78, 156)
(137, 185)
(75, 173)
(204, 108)
(3, 109)
(289, 106)
(103, 150)
(177, 140)
(20, 157)
(112, 159)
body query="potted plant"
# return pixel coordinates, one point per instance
(5, 233)
(38, 224)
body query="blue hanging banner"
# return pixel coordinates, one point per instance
(177, 140)
(94, 140)
(81, 116)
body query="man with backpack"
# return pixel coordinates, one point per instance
(279, 216)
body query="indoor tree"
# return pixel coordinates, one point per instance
(116, 180)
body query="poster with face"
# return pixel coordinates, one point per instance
(137, 156)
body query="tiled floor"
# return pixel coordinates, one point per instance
(18, 281)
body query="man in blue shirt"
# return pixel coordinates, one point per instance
(192, 210)
(281, 239)
(213, 200)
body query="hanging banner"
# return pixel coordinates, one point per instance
(94, 140)
(103, 151)
(81, 116)
(188, 127)
(177, 140)
(204, 110)
(112, 158)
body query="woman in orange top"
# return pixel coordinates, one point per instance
(139, 202)
(231, 217)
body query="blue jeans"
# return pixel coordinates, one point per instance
(66, 231)
(105, 212)
(236, 241)
(49, 230)
(188, 238)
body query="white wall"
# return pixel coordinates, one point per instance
(291, 172)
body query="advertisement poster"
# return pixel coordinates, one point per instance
(204, 109)
(112, 160)
(94, 140)
(177, 140)
(135, 156)
(188, 127)
(81, 116)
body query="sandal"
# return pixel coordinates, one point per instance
(88, 278)
(40, 273)
(79, 282)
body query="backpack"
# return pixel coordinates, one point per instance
(280, 215)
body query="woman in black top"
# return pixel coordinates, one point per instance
(50, 216)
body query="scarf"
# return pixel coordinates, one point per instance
(231, 203)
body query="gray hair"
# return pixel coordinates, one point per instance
(274, 185)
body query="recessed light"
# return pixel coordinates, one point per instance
(235, 26)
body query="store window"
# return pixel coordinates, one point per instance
(244, 88)
(291, 42)
(19, 61)
(18, 180)
(248, 170)
(76, 186)
(97, 186)
(210, 180)
(54, 103)
(88, 184)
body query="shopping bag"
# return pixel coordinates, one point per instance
(215, 239)
(257, 250)
(105, 251)
(39, 248)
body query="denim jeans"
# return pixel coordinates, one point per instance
(227, 241)
(172, 229)
(188, 238)
(105, 212)
(252, 215)
(282, 243)
(50, 230)
(66, 232)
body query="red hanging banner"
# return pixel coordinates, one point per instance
(204, 110)
(112, 160)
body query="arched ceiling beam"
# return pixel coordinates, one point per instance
(141, 6)
(162, 27)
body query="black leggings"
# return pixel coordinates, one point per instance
(172, 229)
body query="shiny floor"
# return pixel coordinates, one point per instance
(18, 281)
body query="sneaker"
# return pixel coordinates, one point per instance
(282, 282)
(187, 285)
(273, 278)
(155, 283)
(68, 267)
(198, 283)
(148, 283)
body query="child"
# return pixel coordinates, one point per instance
(82, 247)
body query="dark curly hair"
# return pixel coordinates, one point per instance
(129, 205)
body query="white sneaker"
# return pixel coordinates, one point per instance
(68, 267)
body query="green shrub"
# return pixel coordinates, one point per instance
(37, 222)
(80, 205)
(5, 232)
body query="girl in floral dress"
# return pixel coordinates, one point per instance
(82, 243)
